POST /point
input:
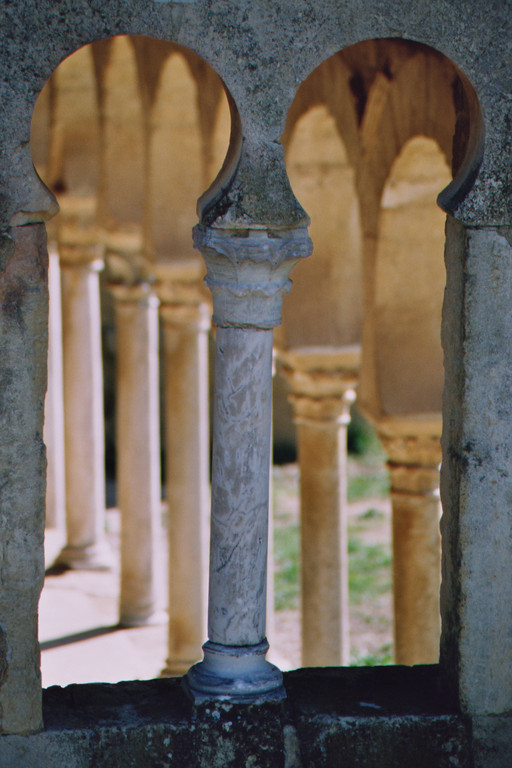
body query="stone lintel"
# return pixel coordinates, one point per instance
(248, 272)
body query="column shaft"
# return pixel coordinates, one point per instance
(83, 403)
(185, 330)
(54, 405)
(322, 449)
(414, 470)
(240, 486)
(416, 577)
(138, 451)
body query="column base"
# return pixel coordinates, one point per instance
(239, 674)
(96, 557)
(153, 618)
(177, 668)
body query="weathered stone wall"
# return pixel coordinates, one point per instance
(349, 717)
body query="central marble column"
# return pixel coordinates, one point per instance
(247, 274)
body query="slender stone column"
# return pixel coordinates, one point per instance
(81, 263)
(413, 462)
(138, 450)
(247, 273)
(323, 382)
(54, 406)
(185, 325)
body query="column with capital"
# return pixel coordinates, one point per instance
(81, 260)
(185, 319)
(414, 455)
(54, 405)
(323, 381)
(247, 272)
(137, 428)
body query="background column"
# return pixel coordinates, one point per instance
(54, 405)
(185, 327)
(323, 382)
(413, 463)
(81, 263)
(138, 450)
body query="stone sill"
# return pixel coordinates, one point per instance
(347, 717)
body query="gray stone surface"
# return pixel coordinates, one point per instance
(23, 333)
(332, 717)
(476, 477)
(262, 50)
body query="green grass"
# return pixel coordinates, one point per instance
(380, 657)
(287, 559)
(367, 485)
(369, 570)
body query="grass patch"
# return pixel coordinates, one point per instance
(369, 570)
(364, 486)
(380, 657)
(287, 563)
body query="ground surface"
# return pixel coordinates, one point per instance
(80, 640)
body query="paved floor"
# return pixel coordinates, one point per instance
(80, 640)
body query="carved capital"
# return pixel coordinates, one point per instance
(140, 294)
(180, 283)
(186, 317)
(413, 462)
(248, 272)
(323, 382)
(125, 262)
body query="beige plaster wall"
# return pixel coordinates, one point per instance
(324, 306)
(410, 278)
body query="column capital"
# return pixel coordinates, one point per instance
(248, 272)
(183, 299)
(76, 233)
(323, 382)
(413, 449)
(140, 294)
